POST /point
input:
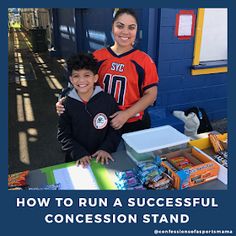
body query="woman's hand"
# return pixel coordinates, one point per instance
(59, 106)
(102, 156)
(84, 161)
(119, 119)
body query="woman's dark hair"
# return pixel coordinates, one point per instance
(82, 61)
(127, 11)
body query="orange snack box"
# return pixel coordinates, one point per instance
(203, 169)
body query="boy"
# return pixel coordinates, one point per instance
(84, 129)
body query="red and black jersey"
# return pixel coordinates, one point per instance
(126, 76)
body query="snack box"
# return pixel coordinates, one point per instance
(202, 168)
(146, 144)
(205, 145)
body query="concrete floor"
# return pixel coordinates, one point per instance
(35, 80)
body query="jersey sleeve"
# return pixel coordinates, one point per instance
(99, 54)
(96, 54)
(151, 77)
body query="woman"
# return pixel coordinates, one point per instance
(128, 74)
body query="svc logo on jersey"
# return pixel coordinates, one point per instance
(100, 121)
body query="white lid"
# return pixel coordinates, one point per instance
(152, 139)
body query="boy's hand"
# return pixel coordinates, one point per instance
(119, 118)
(84, 161)
(59, 106)
(102, 156)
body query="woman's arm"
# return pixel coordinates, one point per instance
(119, 118)
(59, 106)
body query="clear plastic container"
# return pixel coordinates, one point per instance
(145, 144)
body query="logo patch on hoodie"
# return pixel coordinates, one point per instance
(100, 121)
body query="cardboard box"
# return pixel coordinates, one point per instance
(145, 144)
(205, 145)
(203, 169)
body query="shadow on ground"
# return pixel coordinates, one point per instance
(35, 80)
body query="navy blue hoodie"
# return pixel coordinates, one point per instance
(84, 128)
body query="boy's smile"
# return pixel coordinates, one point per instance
(83, 81)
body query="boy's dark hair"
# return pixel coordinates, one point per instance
(127, 11)
(82, 61)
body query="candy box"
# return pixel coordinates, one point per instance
(200, 168)
(146, 144)
(205, 145)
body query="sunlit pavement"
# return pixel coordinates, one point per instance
(35, 80)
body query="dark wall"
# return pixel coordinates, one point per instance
(94, 28)
(178, 89)
(88, 29)
(66, 34)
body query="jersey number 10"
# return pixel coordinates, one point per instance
(116, 86)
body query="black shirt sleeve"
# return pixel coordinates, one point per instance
(65, 137)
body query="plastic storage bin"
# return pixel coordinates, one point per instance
(145, 144)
